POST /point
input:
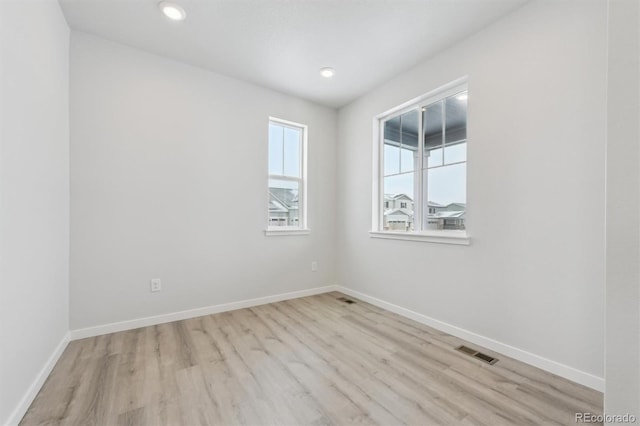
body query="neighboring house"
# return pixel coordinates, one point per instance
(455, 207)
(435, 207)
(398, 220)
(398, 214)
(399, 201)
(283, 207)
(447, 219)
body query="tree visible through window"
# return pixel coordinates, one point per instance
(287, 184)
(423, 164)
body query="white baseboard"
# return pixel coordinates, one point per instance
(35, 387)
(192, 313)
(554, 367)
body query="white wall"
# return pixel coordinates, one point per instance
(159, 151)
(622, 393)
(34, 196)
(533, 277)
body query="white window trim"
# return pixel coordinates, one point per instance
(303, 228)
(446, 236)
(443, 236)
(286, 231)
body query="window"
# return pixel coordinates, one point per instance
(422, 152)
(287, 176)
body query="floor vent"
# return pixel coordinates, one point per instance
(479, 355)
(345, 300)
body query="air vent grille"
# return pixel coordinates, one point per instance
(479, 355)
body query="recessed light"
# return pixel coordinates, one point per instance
(327, 72)
(172, 11)
(462, 96)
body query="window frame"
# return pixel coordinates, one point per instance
(460, 237)
(302, 228)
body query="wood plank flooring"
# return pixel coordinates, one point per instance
(309, 361)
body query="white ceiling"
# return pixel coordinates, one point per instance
(282, 44)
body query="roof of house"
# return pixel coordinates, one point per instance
(398, 212)
(282, 199)
(434, 204)
(448, 215)
(276, 206)
(389, 197)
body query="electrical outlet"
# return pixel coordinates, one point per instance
(314, 266)
(156, 285)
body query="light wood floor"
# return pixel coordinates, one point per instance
(308, 361)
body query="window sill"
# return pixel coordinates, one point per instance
(442, 237)
(286, 232)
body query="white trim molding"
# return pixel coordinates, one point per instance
(569, 373)
(442, 237)
(192, 313)
(19, 412)
(273, 232)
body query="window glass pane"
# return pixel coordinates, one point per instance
(407, 160)
(409, 140)
(392, 146)
(398, 202)
(292, 142)
(456, 117)
(391, 159)
(432, 123)
(446, 197)
(434, 157)
(448, 184)
(283, 203)
(392, 131)
(276, 136)
(455, 153)
(442, 130)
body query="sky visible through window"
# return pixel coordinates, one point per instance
(284, 151)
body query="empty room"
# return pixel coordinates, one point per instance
(319, 212)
